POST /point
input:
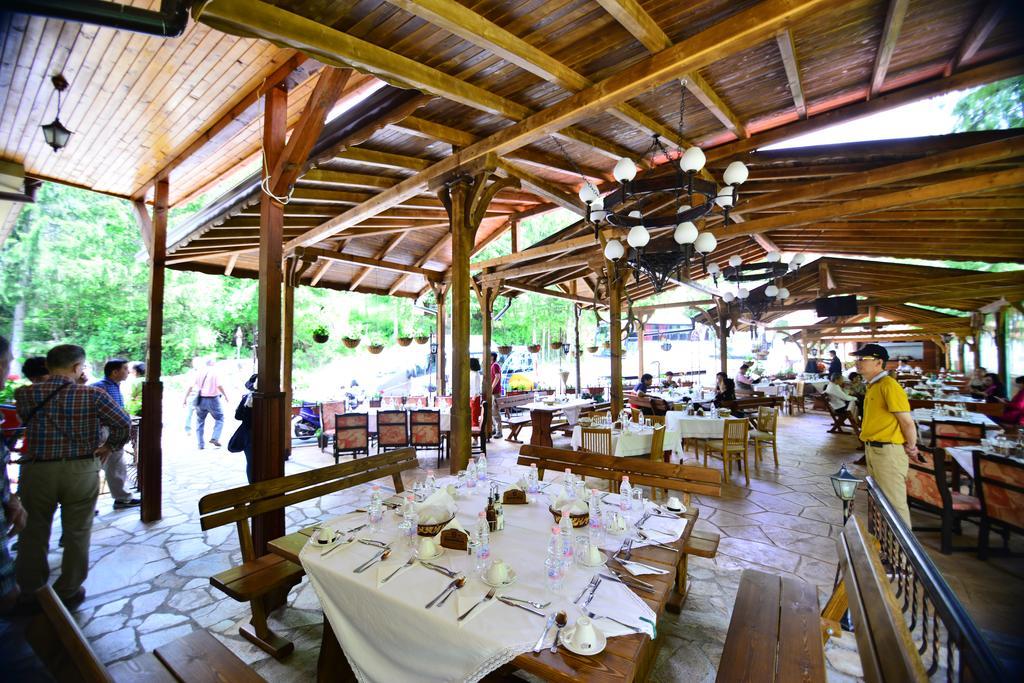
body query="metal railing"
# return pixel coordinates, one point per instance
(950, 646)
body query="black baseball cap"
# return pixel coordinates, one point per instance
(872, 351)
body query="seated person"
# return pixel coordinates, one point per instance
(744, 382)
(644, 385)
(904, 366)
(725, 390)
(670, 380)
(841, 402)
(34, 369)
(855, 386)
(1013, 414)
(977, 380)
(992, 389)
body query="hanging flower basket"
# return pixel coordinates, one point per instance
(592, 349)
(533, 348)
(555, 345)
(351, 342)
(422, 338)
(404, 341)
(505, 349)
(375, 348)
(321, 334)
(606, 345)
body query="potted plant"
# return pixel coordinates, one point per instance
(321, 334)
(422, 338)
(505, 349)
(533, 348)
(350, 342)
(592, 349)
(375, 347)
(570, 389)
(375, 401)
(555, 345)
(606, 345)
(404, 339)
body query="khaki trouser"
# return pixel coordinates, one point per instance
(74, 485)
(888, 466)
(116, 473)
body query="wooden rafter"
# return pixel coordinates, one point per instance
(392, 243)
(792, 65)
(988, 18)
(894, 15)
(371, 262)
(545, 188)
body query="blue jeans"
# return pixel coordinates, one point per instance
(209, 406)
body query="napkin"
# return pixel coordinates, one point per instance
(642, 568)
(574, 505)
(464, 602)
(454, 524)
(616, 600)
(438, 507)
(384, 569)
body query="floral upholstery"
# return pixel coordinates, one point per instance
(392, 429)
(352, 432)
(921, 483)
(329, 410)
(952, 434)
(417, 401)
(1002, 489)
(444, 401)
(963, 502)
(426, 427)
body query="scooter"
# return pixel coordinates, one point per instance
(307, 423)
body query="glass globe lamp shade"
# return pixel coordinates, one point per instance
(798, 259)
(735, 173)
(845, 484)
(638, 237)
(588, 194)
(614, 250)
(705, 243)
(625, 170)
(728, 297)
(773, 257)
(771, 290)
(726, 196)
(597, 212)
(783, 293)
(686, 232)
(714, 269)
(735, 260)
(692, 160)
(743, 293)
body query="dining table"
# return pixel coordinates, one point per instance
(964, 457)
(927, 415)
(377, 627)
(634, 441)
(542, 414)
(695, 426)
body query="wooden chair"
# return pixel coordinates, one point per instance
(417, 402)
(999, 483)
(328, 410)
(641, 403)
(659, 454)
(425, 430)
(731, 447)
(928, 489)
(261, 576)
(512, 415)
(392, 429)
(655, 420)
(595, 440)
(351, 435)
(839, 419)
(952, 434)
(477, 433)
(634, 414)
(766, 432)
(797, 399)
(67, 655)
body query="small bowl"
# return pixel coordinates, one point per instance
(579, 519)
(432, 529)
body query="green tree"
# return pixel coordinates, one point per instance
(994, 106)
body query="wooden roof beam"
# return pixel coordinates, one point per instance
(792, 65)
(523, 287)
(372, 157)
(421, 261)
(988, 18)
(894, 15)
(535, 252)
(545, 188)
(434, 275)
(740, 30)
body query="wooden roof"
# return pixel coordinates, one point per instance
(525, 80)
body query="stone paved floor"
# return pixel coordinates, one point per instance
(149, 583)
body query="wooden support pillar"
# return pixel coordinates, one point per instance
(640, 349)
(441, 335)
(962, 354)
(288, 344)
(1001, 361)
(615, 333)
(151, 425)
(723, 337)
(977, 349)
(577, 311)
(514, 231)
(486, 296)
(268, 405)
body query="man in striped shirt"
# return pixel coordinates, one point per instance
(64, 424)
(114, 372)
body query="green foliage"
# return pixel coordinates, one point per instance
(994, 106)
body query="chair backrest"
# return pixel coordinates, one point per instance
(328, 411)
(239, 504)
(767, 419)
(687, 479)
(425, 427)
(952, 434)
(990, 409)
(658, 443)
(392, 428)
(634, 414)
(799, 392)
(352, 432)
(659, 406)
(444, 401)
(923, 486)
(597, 440)
(418, 401)
(734, 434)
(60, 644)
(655, 419)
(1000, 485)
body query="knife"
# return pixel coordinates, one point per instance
(639, 585)
(524, 607)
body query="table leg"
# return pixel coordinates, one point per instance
(332, 666)
(541, 423)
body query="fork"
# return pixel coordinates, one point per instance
(408, 563)
(538, 605)
(438, 568)
(489, 596)
(593, 592)
(593, 581)
(590, 614)
(641, 534)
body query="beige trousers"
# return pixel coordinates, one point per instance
(74, 485)
(888, 466)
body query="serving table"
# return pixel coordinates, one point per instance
(386, 631)
(542, 413)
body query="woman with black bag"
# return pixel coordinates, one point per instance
(241, 440)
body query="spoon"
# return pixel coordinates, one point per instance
(379, 557)
(459, 583)
(561, 619)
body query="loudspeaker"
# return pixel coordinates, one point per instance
(832, 307)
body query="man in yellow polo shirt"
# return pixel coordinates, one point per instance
(887, 429)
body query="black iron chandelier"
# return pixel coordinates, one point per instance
(634, 203)
(738, 273)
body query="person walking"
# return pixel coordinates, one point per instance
(208, 392)
(835, 366)
(887, 428)
(64, 448)
(475, 391)
(496, 392)
(241, 440)
(114, 372)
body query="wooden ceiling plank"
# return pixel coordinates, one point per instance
(790, 62)
(724, 38)
(988, 18)
(894, 15)
(421, 261)
(392, 243)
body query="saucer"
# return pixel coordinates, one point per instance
(317, 541)
(604, 560)
(678, 511)
(566, 640)
(508, 582)
(439, 553)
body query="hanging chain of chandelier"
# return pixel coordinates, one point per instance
(640, 206)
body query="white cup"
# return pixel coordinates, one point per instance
(674, 503)
(497, 572)
(618, 524)
(584, 636)
(594, 554)
(427, 548)
(325, 535)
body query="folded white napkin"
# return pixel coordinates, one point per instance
(638, 569)
(614, 599)
(384, 569)
(464, 602)
(454, 524)
(438, 507)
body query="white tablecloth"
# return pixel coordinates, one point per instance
(924, 415)
(773, 389)
(695, 427)
(446, 418)
(571, 408)
(634, 443)
(388, 635)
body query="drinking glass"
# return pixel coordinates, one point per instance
(554, 569)
(581, 549)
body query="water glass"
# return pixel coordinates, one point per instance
(555, 571)
(581, 549)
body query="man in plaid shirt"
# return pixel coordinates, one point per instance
(63, 421)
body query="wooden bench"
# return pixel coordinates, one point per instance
(774, 633)
(259, 578)
(511, 415)
(63, 649)
(747, 404)
(686, 479)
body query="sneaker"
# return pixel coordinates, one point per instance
(215, 442)
(131, 503)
